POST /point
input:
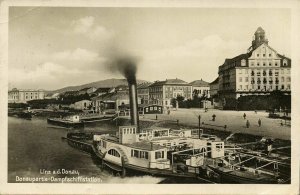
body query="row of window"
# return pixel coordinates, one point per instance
(174, 95)
(264, 55)
(155, 96)
(199, 91)
(264, 81)
(139, 154)
(264, 73)
(178, 88)
(270, 63)
(151, 108)
(288, 79)
(240, 71)
(170, 89)
(129, 130)
(26, 97)
(168, 95)
(270, 87)
(13, 93)
(155, 89)
(114, 152)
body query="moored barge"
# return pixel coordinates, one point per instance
(78, 121)
(69, 122)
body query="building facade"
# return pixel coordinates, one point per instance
(23, 95)
(200, 88)
(214, 87)
(82, 105)
(257, 72)
(143, 92)
(111, 102)
(162, 92)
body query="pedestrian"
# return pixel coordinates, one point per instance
(255, 111)
(169, 112)
(247, 124)
(259, 122)
(244, 116)
(213, 117)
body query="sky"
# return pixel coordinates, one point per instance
(55, 47)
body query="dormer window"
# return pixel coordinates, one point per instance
(284, 62)
(243, 62)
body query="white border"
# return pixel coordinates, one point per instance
(151, 188)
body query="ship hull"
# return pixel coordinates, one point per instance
(62, 123)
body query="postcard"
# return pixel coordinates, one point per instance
(149, 97)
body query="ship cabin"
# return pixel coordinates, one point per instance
(127, 148)
(150, 134)
(137, 150)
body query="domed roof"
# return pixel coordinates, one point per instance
(259, 30)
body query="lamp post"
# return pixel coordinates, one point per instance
(199, 125)
(205, 104)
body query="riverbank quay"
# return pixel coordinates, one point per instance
(227, 121)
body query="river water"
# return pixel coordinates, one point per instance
(36, 153)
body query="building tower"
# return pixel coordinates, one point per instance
(259, 38)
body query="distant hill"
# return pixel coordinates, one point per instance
(97, 84)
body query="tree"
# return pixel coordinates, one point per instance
(195, 93)
(173, 102)
(179, 98)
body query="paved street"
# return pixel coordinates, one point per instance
(233, 119)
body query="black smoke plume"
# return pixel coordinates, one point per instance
(127, 66)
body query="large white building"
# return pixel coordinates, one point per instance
(24, 95)
(162, 92)
(257, 72)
